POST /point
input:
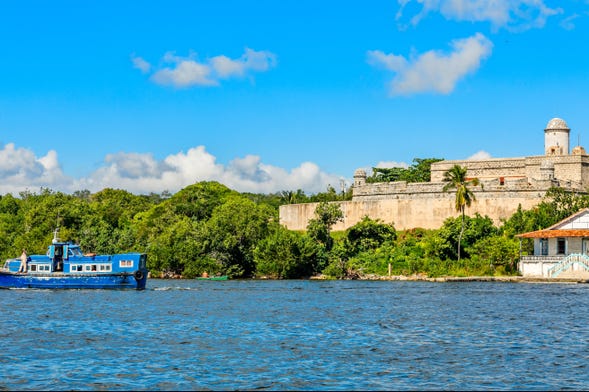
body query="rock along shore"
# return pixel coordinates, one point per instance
(418, 277)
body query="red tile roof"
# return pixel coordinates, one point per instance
(555, 233)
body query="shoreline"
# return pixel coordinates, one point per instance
(442, 279)
(424, 278)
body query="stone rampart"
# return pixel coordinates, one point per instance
(408, 210)
(506, 183)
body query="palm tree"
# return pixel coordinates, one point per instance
(455, 178)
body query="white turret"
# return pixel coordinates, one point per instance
(556, 137)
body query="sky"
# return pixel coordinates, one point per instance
(272, 95)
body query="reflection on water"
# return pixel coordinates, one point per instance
(297, 335)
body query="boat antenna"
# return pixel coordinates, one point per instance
(55, 235)
(56, 231)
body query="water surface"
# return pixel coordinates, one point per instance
(297, 335)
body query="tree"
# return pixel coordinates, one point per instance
(319, 228)
(419, 171)
(286, 254)
(368, 234)
(292, 197)
(455, 178)
(232, 233)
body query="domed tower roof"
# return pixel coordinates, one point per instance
(557, 124)
(359, 178)
(556, 137)
(360, 173)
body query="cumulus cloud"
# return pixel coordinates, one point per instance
(140, 64)
(433, 71)
(479, 156)
(514, 15)
(188, 71)
(391, 164)
(21, 170)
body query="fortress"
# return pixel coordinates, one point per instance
(506, 183)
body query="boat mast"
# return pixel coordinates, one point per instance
(55, 237)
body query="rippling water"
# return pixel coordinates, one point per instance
(297, 335)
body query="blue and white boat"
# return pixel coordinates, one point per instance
(66, 267)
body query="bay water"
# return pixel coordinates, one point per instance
(297, 335)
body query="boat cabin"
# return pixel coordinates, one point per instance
(68, 258)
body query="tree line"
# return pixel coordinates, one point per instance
(209, 227)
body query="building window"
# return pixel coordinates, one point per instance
(560, 246)
(544, 246)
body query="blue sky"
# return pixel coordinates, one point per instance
(265, 96)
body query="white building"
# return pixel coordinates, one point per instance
(560, 251)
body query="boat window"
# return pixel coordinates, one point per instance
(125, 263)
(33, 267)
(87, 268)
(75, 252)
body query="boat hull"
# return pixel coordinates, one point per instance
(72, 281)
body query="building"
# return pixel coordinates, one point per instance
(506, 183)
(560, 251)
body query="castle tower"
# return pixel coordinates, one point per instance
(359, 177)
(556, 137)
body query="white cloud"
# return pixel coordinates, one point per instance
(188, 71)
(515, 15)
(391, 164)
(567, 23)
(225, 67)
(185, 72)
(140, 64)
(479, 156)
(21, 170)
(433, 71)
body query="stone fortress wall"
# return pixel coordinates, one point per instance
(505, 184)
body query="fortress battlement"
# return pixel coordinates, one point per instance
(506, 183)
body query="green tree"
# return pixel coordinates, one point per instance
(286, 254)
(444, 245)
(292, 197)
(419, 171)
(455, 178)
(319, 228)
(368, 234)
(498, 250)
(232, 233)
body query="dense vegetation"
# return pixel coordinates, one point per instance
(419, 171)
(209, 227)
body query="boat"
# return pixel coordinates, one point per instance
(224, 277)
(65, 266)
